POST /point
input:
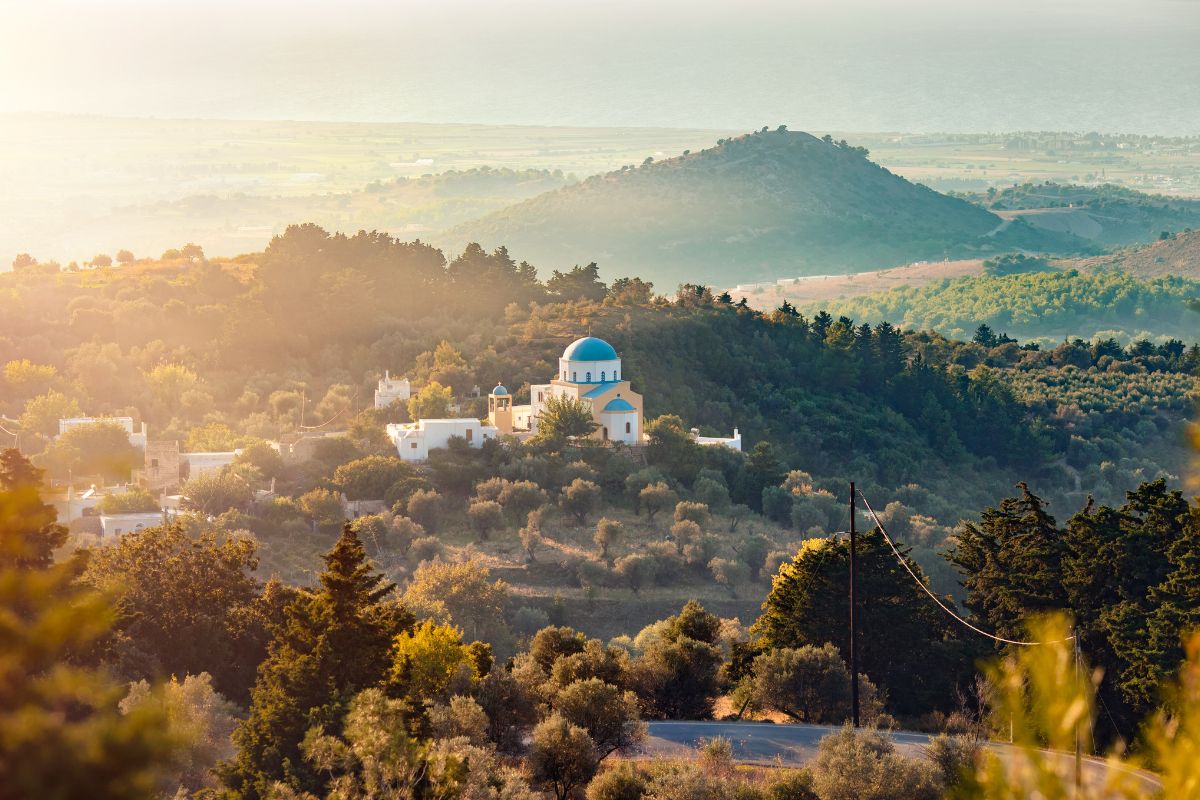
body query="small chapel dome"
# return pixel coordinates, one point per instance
(499, 390)
(618, 404)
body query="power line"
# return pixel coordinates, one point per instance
(937, 599)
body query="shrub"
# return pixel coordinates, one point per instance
(425, 548)
(623, 782)
(426, 508)
(562, 756)
(404, 532)
(864, 765)
(134, 500)
(690, 510)
(608, 533)
(956, 757)
(485, 516)
(580, 498)
(728, 573)
(655, 498)
(637, 570)
(528, 621)
(791, 784)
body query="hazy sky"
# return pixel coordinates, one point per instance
(1129, 65)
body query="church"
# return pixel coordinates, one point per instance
(588, 370)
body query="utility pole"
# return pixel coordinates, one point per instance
(853, 649)
(1078, 734)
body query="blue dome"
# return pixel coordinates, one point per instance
(617, 404)
(589, 348)
(499, 389)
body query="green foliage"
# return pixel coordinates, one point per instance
(263, 457)
(99, 448)
(217, 491)
(61, 732)
(676, 675)
(432, 401)
(200, 721)
(485, 516)
(562, 757)
(608, 714)
(215, 437)
(370, 478)
(42, 413)
(608, 533)
(655, 498)
(809, 684)
(864, 765)
(131, 501)
(29, 530)
(1127, 573)
(462, 593)
(565, 417)
(1017, 540)
(427, 659)
(580, 498)
(908, 635)
(187, 605)
(1049, 304)
(332, 644)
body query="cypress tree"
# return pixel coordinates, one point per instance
(1012, 563)
(332, 644)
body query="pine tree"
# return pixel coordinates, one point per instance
(1012, 563)
(333, 644)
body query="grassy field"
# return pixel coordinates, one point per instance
(820, 288)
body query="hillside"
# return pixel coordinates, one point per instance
(218, 354)
(1051, 305)
(1178, 254)
(761, 205)
(1107, 214)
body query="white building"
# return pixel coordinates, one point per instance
(113, 525)
(203, 463)
(414, 440)
(391, 390)
(734, 442)
(137, 439)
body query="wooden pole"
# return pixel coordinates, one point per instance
(853, 649)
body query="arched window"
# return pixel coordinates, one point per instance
(602, 376)
(605, 433)
(574, 377)
(587, 378)
(628, 427)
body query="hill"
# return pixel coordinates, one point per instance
(1178, 254)
(217, 354)
(1032, 305)
(1107, 214)
(759, 205)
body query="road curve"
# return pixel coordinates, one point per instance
(795, 745)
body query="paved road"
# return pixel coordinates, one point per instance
(793, 745)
